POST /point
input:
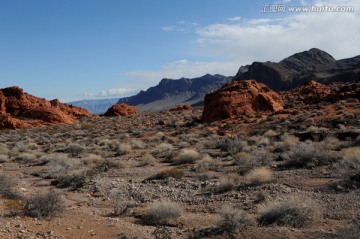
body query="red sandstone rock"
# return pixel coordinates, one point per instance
(21, 110)
(239, 98)
(181, 108)
(121, 110)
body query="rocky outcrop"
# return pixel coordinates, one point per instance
(121, 110)
(240, 98)
(181, 108)
(21, 110)
(300, 68)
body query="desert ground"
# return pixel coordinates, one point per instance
(294, 174)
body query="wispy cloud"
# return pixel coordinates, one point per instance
(181, 26)
(119, 92)
(234, 19)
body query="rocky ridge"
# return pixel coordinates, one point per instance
(21, 110)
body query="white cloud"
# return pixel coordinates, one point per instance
(241, 41)
(275, 38)
(111, 93)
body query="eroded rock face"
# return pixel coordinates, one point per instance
(121, 110)
(21, 110)
(240, 98)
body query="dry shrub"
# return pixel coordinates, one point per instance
(147, 159)
(287, 142)
(258, 176)
(44, 205)
(167, 173)
(205, 164)
(163, 148)
(7, 188)
(295, 212)
(121, 202)
(161, 213)
(233, 219)
(186, 156)
(227, 184)
(308, 155)
(3, 158)
(138, 144)
(74, 149)
(124, 148)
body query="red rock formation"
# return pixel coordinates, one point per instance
(121, 110)
(309, 93)
(238, 98)
(21, 110)
(181, 108)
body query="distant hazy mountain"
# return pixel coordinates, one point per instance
(95, 106)
(302, 67)
(170, 93)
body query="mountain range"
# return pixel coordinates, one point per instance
(287, 74)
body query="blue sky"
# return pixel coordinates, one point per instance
(87, 49)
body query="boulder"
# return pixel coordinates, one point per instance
(121, 110)
(240, 98)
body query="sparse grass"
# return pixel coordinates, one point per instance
(233, 219)
(44, 205)
(161, 214)
(295, 212)
(258, 176)
(186, 156)
(3, 158)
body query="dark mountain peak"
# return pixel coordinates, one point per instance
(313, 64)
(170, 92)
(309, 60)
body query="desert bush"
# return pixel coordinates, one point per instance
(233, 145)
(163, 148)
(352, 232)
(233, 219)
(7, 188)
(138, 144)
(247, 161)
(3, 149)
(161, 214)
(294, 212)
(26, 158)
(205, 164)
(287, 142)
(120, 201)
(3, 158)
(59, 164)
(73, 149)
(349, 167)
(257, 176)
(72, 180)
(226, 184)
(147, 159)
(167, 173)
(44, 205)
(186, 156)
(308, 155)
(124, 148)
